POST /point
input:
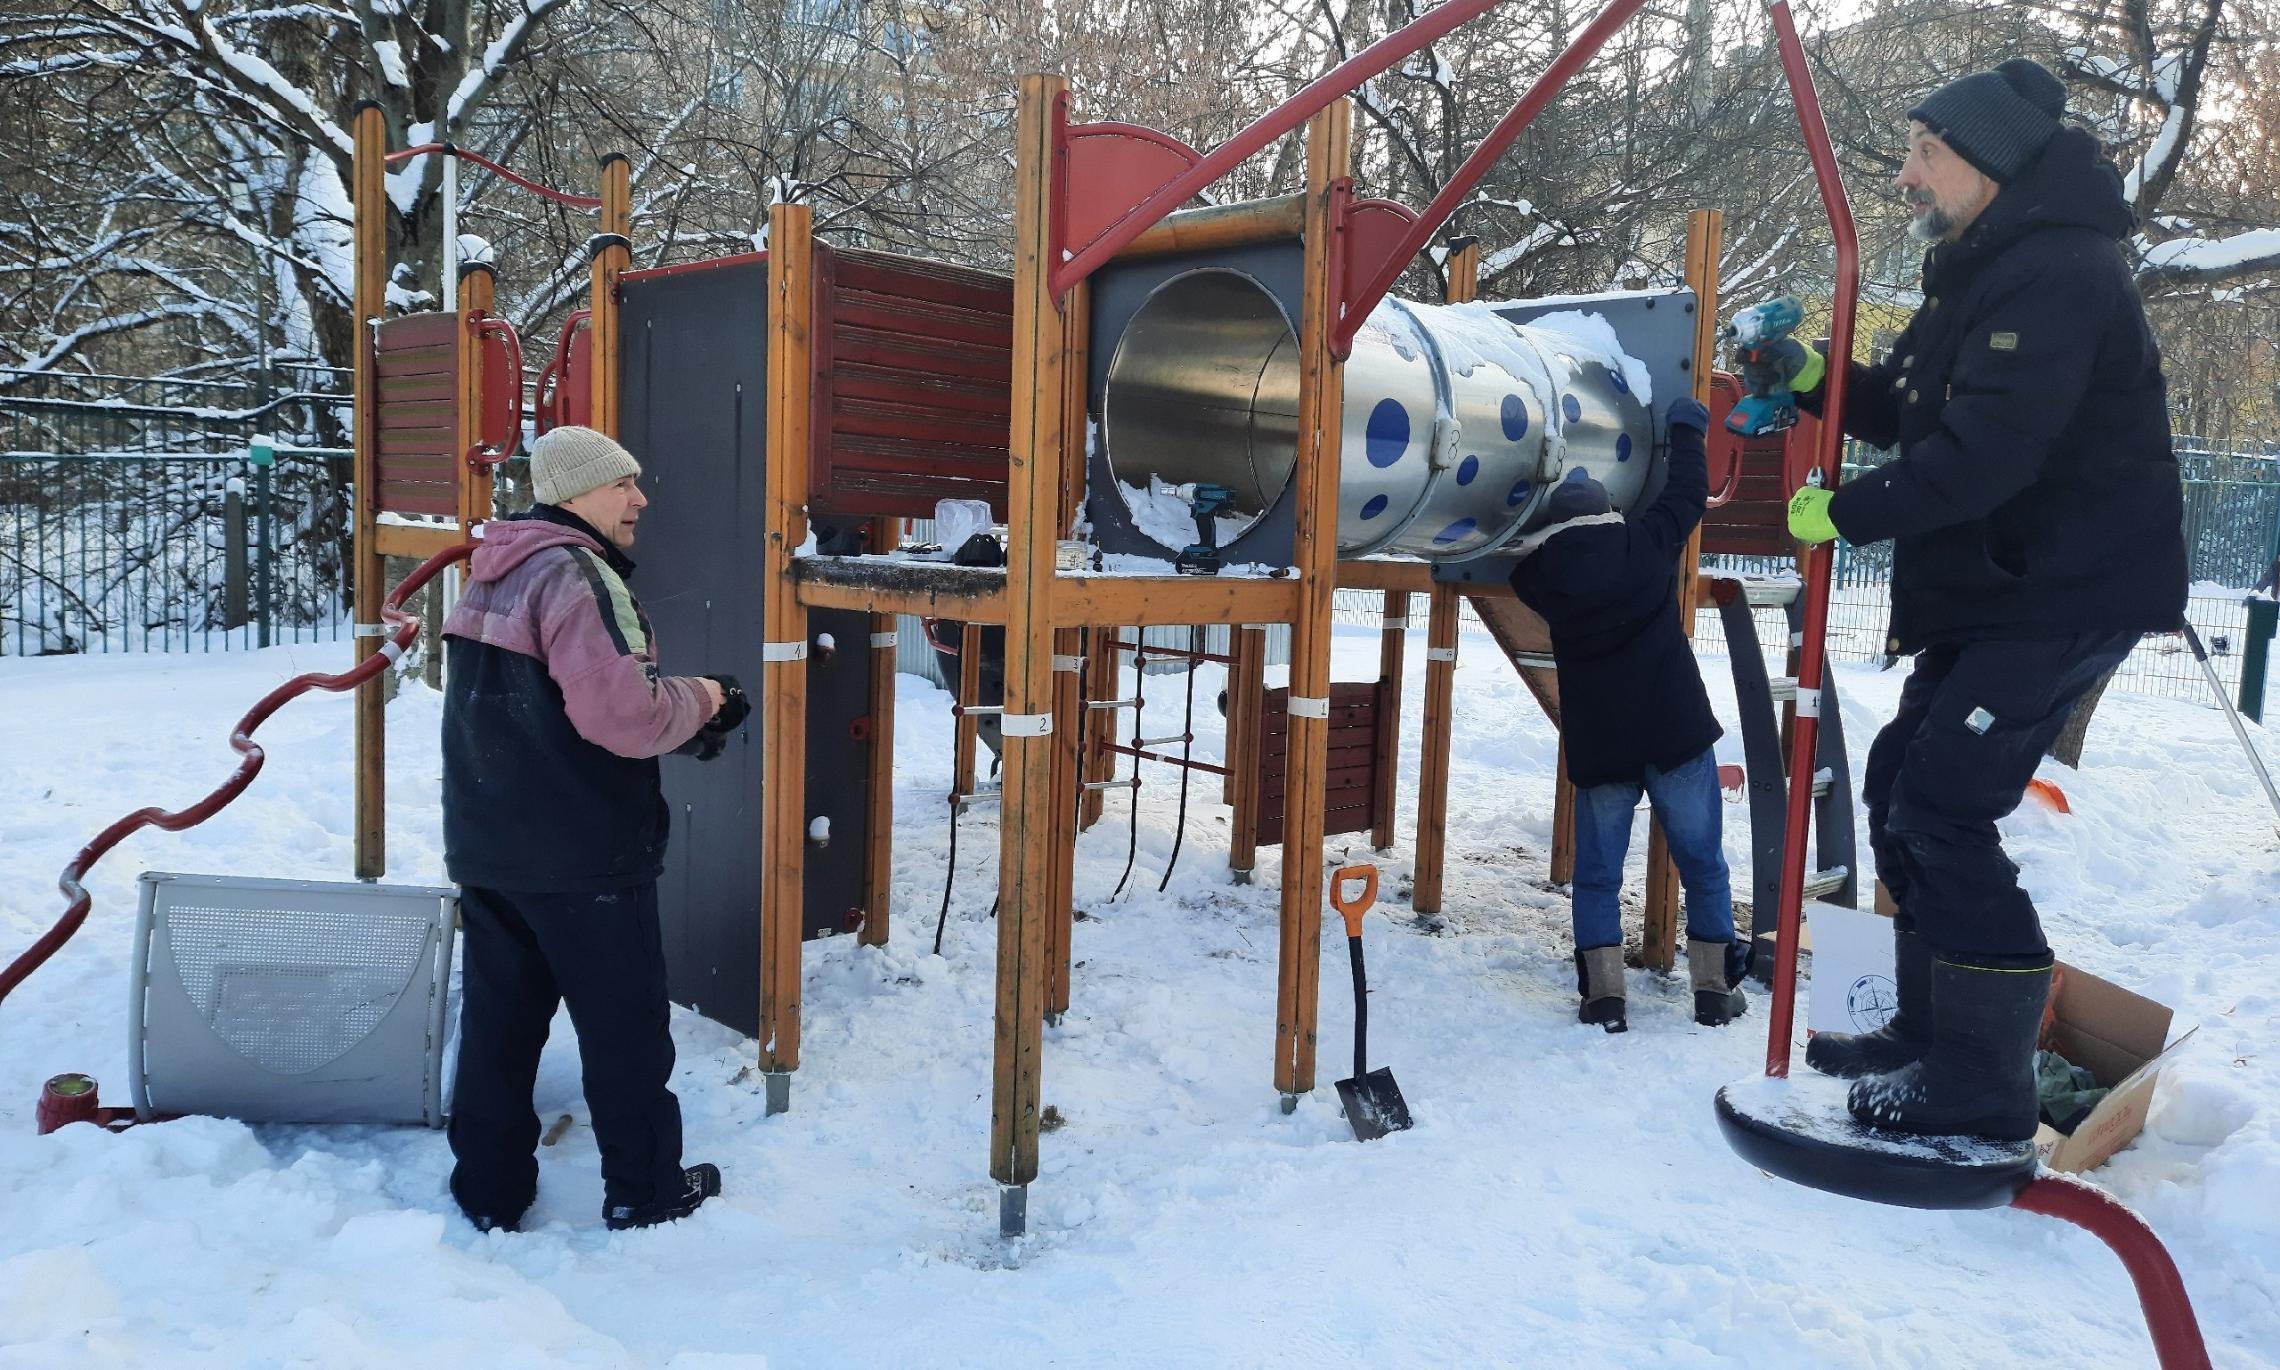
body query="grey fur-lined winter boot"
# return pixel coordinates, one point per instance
(1599, 982)
(1717, 1001)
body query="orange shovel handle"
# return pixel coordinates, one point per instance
(1352, 909)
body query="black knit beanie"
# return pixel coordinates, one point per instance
(1578, 496)
(1997, 120)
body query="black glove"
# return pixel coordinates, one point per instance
(735, 706)
(710, 739)
(1687, 412)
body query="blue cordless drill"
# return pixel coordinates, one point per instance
(1759, 336)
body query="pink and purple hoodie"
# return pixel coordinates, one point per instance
(554, 715)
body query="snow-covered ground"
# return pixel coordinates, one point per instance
(1564, 1200)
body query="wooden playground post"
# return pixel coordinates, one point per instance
(1068, 665)
(1246, 699)
(1101, 677)
(1033, 497)
(1705, 236)
(1563, 820)
(613, 254)
(371, 229)
(1315, 551)
(1441, 610)
(965, 730)
(1393, 636)
(477, 289)
(879, 815)
(784, 674)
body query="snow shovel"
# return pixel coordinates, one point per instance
(1374, 1105)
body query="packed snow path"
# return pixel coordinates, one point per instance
(1564, 1200)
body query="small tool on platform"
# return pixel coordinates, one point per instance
(1204, 499)
(1374, 1105)
(1759, 337)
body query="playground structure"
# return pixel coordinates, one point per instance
(823, 341)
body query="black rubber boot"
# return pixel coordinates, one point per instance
(1978, 1078)
(1716, 1000)
(1599, 984)
(703, 1183)
(1903, 1039)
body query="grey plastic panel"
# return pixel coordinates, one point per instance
(290, 1001)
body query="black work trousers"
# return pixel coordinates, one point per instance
(1973, 724)
(521, 955)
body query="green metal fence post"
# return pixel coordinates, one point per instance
(262, 456)
(2263, 618)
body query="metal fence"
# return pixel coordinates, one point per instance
(49, 414)
(123, 553)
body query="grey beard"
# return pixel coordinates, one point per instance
(1932, 224)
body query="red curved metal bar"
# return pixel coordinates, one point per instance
(1434, 24)
(1812, 653)
(406, 627)
(481, 453)
(454, 150)
(1531, 103)
(2176, 1333)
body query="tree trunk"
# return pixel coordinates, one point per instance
(2066, 748)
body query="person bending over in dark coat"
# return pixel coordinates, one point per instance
(1634, 716)
(554, 825)
(2036, 520)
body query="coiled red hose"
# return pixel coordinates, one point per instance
(405, 626)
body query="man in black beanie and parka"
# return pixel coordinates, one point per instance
(2036, 521)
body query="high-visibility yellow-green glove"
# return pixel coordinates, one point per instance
(1809, 516)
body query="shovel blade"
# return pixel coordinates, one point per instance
(1374, 1105)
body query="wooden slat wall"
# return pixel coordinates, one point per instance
(913, 385)
(1755, 522)
(417, 411)
(1351, 794)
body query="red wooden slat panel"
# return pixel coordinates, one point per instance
(416, 418)
(913, 388)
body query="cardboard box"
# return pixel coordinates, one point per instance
(2118, 1036)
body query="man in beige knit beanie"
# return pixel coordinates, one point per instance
(588, 474)
(555, 826)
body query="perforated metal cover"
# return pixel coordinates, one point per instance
(290, 1000)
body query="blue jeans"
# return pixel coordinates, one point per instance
(1686, 799)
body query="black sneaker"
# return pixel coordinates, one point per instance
(490, 1224)
(703, 1182)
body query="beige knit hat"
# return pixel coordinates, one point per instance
(567, 462)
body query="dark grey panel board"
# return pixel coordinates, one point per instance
(694, 413)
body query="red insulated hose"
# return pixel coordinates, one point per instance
(405, 626)
(571, 198)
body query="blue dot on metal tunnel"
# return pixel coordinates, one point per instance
(1572, 407)
(1615, 378)
(1454, 531)
(1388, 435)
(1375, 507)
(1515, 417)
(1623, 447)
(1467, 470)
(1576, 474)
(1520, 489)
